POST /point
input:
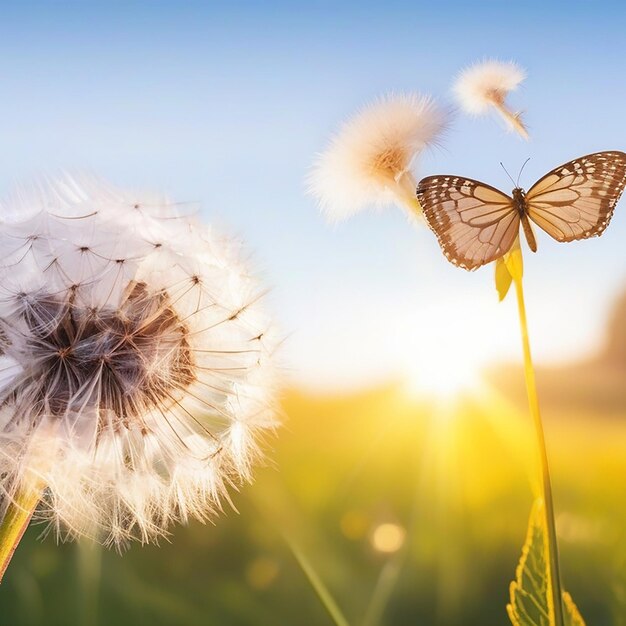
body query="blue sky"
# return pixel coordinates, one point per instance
(226, 104)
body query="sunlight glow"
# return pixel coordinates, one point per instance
(448, 353)
(443, 378)
(444, 374)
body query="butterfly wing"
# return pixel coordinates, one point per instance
(576, 200)
(474, 223)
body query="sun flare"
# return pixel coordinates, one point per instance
(443, 380)
(445, 364)
(448, 352)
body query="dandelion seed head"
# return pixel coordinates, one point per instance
(486, 84)
(369, 161)
(136, 367)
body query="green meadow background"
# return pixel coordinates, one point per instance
(411, 509)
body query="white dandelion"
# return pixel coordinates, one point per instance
(369, 162)
(486, 85)
(136, 364)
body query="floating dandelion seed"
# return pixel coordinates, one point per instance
(486, 85)
(369, 161)
(135, 367)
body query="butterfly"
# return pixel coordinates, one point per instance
(476, 223)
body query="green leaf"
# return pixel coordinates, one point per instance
(531, 596)
(571, 614)
(503, 279)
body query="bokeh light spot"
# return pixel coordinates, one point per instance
(388, 538)
(262, 572)
(354, 525)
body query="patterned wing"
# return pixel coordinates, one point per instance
(474, 223)
(576, 200)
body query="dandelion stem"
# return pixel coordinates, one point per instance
(316, 582)
(406, 185)
(15, 521)
(415, 207)
(554, 579)
(513, 119)
(89, 570)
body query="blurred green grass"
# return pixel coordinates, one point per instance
(455, 475)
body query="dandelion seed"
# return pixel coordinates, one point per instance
(370, 160)
(135, 362)
(486, 85)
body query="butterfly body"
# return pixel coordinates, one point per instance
(476, 223)
(519, 200)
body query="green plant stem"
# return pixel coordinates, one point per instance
(15, 522)
(281, 517)
(89, 570)
(533, 401)
(316, 582)
(385, 584)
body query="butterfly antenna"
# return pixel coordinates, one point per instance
(507, 173)
(521, 170)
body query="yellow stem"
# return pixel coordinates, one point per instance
(553, 555)
(16, 519)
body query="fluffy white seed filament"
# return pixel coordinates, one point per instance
(135, 362)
